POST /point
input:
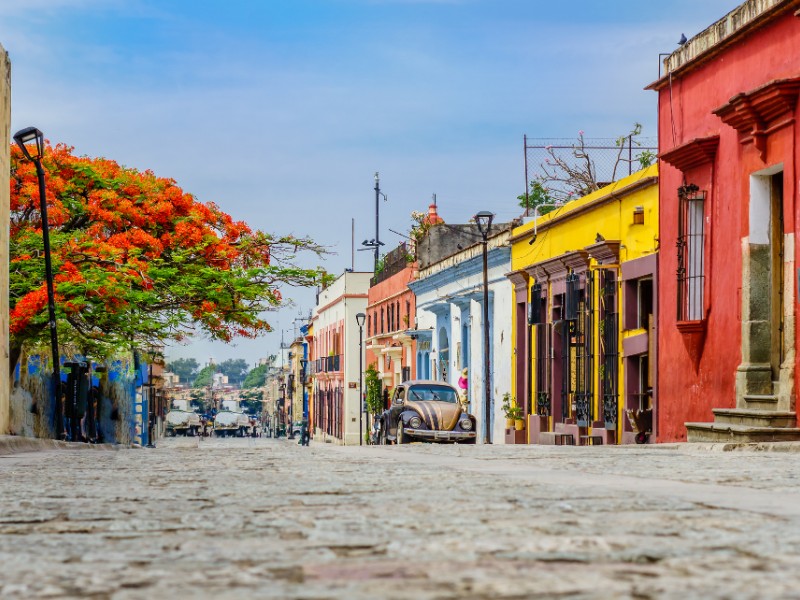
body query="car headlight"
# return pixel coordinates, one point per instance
(414, 422)
(466, 424)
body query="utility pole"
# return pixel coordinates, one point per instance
(376, 243)
(377, 221)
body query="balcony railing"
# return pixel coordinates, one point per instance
(328, 364)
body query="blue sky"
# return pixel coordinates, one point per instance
(280, 111)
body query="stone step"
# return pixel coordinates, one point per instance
(754, 417)
(765, 401)
(726, 432)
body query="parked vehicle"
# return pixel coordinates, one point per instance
(230, 420)
(427, 411)
(294, 429)
(181, 420)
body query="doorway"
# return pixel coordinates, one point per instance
(766, 347)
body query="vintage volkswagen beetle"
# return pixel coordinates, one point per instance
(428, 411)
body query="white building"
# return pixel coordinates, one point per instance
(450, 332)
(336, 405)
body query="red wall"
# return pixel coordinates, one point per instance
(388, 292)
(688, 392)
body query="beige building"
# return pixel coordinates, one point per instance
(5, 174)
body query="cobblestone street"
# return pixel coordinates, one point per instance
(244, 518)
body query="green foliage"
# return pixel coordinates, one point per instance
(510, 408)
(205, 377)
(256, 377)
(538, 195)
(372, 384)
(381, 265)
(646, 158)
(235, 368)
(185, 368)
(251, 401)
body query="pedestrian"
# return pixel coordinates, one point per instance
(305, 435)
(463, 386)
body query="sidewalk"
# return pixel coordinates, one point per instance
(14, 444)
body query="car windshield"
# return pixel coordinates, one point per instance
(441, 393)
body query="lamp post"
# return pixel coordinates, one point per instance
(360, 318)
(303, 375)
(31, 142)
(281, 407)
(484, 221)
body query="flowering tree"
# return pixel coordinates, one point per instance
(136, 260)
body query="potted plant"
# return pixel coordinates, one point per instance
(519, 422)
(508, 410)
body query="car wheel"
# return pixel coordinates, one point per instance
(401, 436)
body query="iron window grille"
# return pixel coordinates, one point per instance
(690, 245)
(583, 343)
(609, 343)
(543, 404)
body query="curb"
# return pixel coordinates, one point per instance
(12, 444)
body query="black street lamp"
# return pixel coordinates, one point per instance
(484, 221)
(281, 413)
(31, 142)
(360, 318)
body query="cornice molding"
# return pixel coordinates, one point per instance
(759, 112)
(693, 153)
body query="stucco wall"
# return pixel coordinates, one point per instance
(689, 389)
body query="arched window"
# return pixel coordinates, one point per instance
(382, 330)
(369, 324)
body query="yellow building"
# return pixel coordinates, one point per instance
(585, 292)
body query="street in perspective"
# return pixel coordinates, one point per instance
(266, 518)
(404, 299)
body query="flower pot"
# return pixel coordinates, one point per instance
(519, 424)
(509, 423)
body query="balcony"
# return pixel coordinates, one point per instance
(328, 364)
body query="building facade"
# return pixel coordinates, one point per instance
(728, 228)
(336, 345)
(450, 321)
(391, 313)
(583, 310)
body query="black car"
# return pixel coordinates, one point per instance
(427, 411)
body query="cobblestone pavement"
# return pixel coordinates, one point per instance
(244, 518)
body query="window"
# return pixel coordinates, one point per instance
(572, 297)
(369, 325)
(535, 305)
(691, 242)
(382, 329)
(644, 302)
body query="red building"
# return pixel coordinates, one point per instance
(728, 228)
(390, 314)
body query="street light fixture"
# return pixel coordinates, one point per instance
(360, 319)
(484, 222)
(31, 142)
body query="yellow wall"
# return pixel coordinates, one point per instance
(576, 225)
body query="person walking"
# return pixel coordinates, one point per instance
(463, 386)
